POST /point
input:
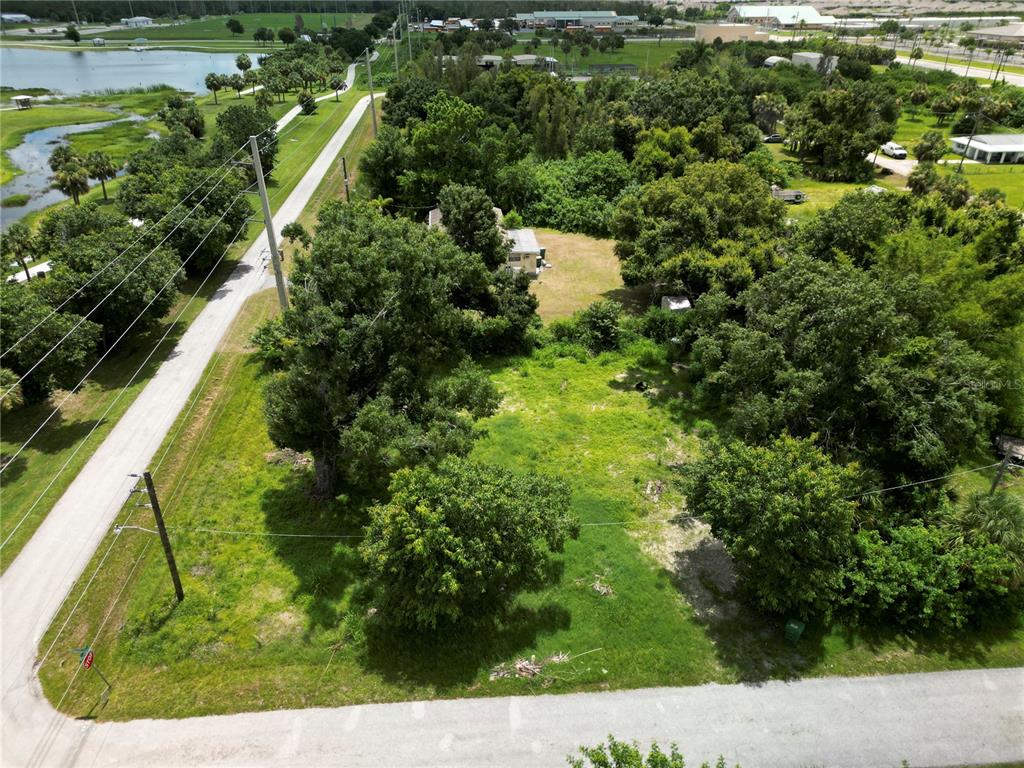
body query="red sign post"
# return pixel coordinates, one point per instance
(87, 661)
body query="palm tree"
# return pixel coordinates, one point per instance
(18, 242)
(214, 83)
(101, 166)
(60, 156)
(72, 179)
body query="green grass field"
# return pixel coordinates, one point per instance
(214, 27)
(273, 622)
(302, 141)
(16, 123)
(645, 55)
(1008, 179)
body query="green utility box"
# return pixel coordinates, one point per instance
(794, 629)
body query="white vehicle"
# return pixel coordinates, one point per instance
(894, 150)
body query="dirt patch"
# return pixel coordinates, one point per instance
(279, 626)
(288, 457)
(583, 270)
(699, 563)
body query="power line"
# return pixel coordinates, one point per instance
(124, 389)
(124, 333)
(119, 284)
(921, 482)
(116, 258)
(127, 519)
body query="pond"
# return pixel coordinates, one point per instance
(81, 71)
(31, 156)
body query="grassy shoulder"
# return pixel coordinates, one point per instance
(270, 621)
(87, 407)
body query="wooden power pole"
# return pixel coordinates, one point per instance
(164, 539)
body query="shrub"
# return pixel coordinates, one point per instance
(663, 325)
(461, 541)
(597, 327)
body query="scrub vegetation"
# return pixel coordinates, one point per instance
(790, 479)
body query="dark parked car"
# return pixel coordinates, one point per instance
(773, 138)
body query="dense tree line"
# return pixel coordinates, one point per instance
(874, 346)
(116, 269)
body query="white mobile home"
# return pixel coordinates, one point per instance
(991, 147)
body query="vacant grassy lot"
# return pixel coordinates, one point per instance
(642, 598)
(646, 55)
(584, 269)
(16, 123)
(825, 194)
(25, 490)
(1008, 179)
(214, 27)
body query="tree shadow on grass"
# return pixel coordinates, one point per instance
(325, 567)
(634, 300)
(752, 644)
(58, 435)
(453, 656)
(666, 386)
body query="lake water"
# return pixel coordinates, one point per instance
(32, 156)
(80, 71)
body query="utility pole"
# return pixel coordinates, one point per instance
(344, 173)
(369, 77)
(408, 31)
(154, 502)
(974, 130)
(268, 221)
(394, 47)
(999, 473)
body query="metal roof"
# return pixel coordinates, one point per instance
(784, 14)
(523, 241)
(994, 142)
(570, 15)
(1005, 31)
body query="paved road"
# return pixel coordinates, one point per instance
(975, 70)
(949, 718)
(939, 719)
(32, 588)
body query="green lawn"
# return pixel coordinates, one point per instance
(305, 139)
(214, 27)
(1009, 179)
(271, 622)
(646, 55)
(16, 123)
(985, 68)
(243, 44)
(825, 194)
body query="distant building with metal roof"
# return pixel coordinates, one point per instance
(1007, 33)
(589, 19)
(780, 16)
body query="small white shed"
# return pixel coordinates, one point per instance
(526, 251)
(675, 303)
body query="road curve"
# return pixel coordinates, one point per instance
(33, 587)
(930, 719)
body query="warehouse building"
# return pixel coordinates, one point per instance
(597, 21)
